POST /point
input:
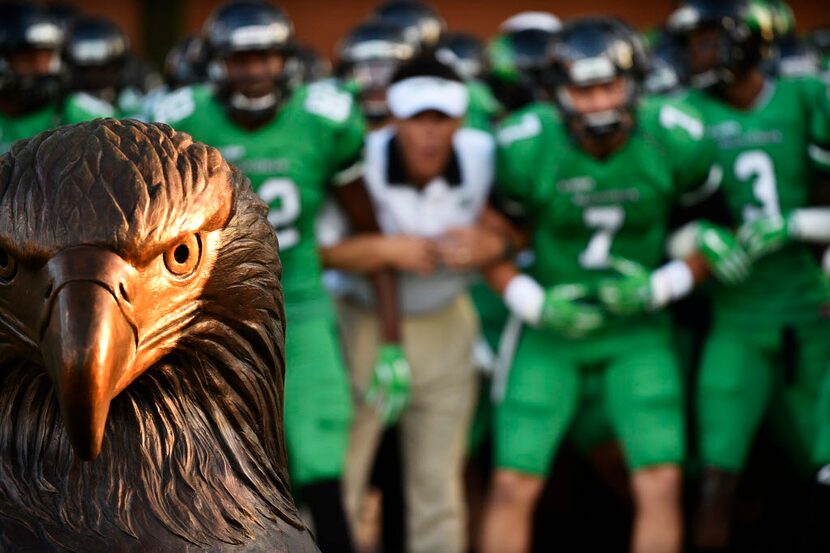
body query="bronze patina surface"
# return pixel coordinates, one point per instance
(141, 349)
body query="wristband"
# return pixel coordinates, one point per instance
(810, 224)
(524, 297)
(671, 282)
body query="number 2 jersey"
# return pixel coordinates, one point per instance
(767, 154)
(583, 209)
(315, 138)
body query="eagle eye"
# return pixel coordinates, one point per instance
(183, 258)
(8, 266)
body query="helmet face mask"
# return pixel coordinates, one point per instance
(599, 109)
(95, 55)
(30, 46)
(38, 78)
(372, 77)
(367, 58)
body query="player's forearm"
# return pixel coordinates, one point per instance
(385, 286)
(515, 238)
(364, 253)
(498, 276)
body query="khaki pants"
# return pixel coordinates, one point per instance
(434, 425)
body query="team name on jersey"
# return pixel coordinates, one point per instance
(751, 138)
(235, 153)
(263, 166)
(582, 191)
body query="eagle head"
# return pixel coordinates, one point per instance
(141, 322)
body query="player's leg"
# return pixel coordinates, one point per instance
(809, 402)
(541, 399)
(804, 356)
(817, 537)
(317, 415)
(734, 387)
(645, 405)
(592, 434)
(359, 336)
(435, 426)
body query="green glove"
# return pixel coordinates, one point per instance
(563, 312)
(764, 236)
(629, 294)
(391, 384)
(725, 256)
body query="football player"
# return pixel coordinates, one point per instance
(366, 59)
(96, 53)
(32, 74)
(596, 186)
(292, 145)
(768, 347)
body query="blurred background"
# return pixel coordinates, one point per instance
(154, 25)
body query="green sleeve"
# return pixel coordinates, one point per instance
(691, 152)
(818, 114)
(483, 107)
(348, 142)
(179, 107)
(519, 141)
(333, 111)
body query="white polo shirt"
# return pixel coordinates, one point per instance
(454, 199)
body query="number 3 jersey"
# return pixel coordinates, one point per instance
(768, 153)
(583, 209)
(315, 139)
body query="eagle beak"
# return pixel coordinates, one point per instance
(88, 346)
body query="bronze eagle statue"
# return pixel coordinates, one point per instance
(141, 349)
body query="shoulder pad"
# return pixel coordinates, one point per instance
(672, 116)
(92, 105)
(528, 126)
(175, 106)
(327, 99)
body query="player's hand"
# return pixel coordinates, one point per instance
(565, 310)
(391, 383)
(413, 254)
(471, 247)
(764, 236)
(630, 293)
(724, 254)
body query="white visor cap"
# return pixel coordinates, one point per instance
(415, 95)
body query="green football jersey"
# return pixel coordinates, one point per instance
(75, 108)
(767, 154)
(585, 209)
(316, 137)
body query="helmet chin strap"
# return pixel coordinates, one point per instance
(602, 123)
(598, 124)
(239, 101)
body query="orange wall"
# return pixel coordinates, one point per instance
(127, 13)
(322, 22)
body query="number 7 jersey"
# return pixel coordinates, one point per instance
(314, 139)
(767, 154)
(584, 210)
